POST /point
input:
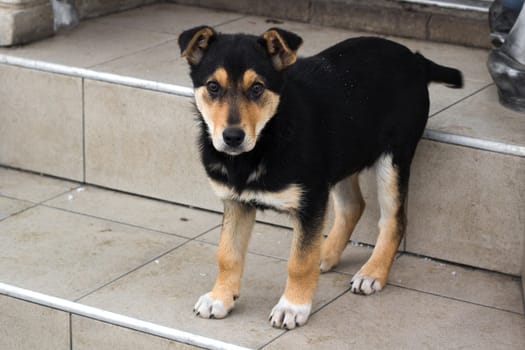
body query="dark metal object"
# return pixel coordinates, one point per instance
(506, 65)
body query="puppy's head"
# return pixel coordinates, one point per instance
(237, 81)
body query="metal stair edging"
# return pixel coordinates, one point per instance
(115, 319)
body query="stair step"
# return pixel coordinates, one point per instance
(115, 126)
(462, 22)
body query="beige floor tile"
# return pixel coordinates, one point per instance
(482, 116)
(10, 206)
(68, 255)
(315, 38)
(138, 211)
(31, 187)
(25, 325)
(402, 319)
(475, 286)
(89, 334)
(141, 151)
(457, 213)
(167, 18)
(166, 291)
(161, 63)
(41, 122)
(88, 44)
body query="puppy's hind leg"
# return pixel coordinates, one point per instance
(348, 208)
(237, 226)
(392, 186)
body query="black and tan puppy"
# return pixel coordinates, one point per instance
(280, 132)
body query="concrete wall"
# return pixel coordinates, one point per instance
(23, 21)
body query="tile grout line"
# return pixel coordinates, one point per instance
(84, 129)
(458, 264)
(39, 173)
(35, 204)
(160, 200)
(93, 66)
(455, 299)
(70, 331)
(460, 100)
(118, 222)
(231, 20)
(142, 265)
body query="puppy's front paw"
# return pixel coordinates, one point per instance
(207, 307)
(288, 315)
(362, 284)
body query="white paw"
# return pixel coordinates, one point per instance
(288, 315)
(207, 307)
(365, 285)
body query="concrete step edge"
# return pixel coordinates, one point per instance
(475, 6)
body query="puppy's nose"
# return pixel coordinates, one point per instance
(233, 137)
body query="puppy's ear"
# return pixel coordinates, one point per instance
(193, 43)
(282, 46)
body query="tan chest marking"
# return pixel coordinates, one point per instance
(286, 200)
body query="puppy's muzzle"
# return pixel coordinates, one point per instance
(233, 136)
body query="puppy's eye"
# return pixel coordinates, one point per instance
(256, 90)
(213, 88)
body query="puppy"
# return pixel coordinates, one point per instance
(283, 133)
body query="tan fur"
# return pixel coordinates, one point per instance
(237, 226)
(195, 49)
(282, 55)
(348, 208)
(253, 114)
(390, 227)
(303, 268)
(249, 77)
(215, 113)
(287, 199)
(221, 76)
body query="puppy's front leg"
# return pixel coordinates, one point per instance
(295, 305)
(237, 226)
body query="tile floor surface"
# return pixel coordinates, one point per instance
(151, 259)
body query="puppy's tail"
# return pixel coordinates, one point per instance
(441, 74)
